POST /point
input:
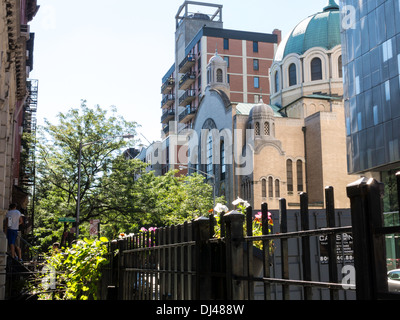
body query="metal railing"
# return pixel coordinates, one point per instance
(187, 262)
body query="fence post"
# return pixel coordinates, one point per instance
(250, 263)
(305, 244)
(332, 257)
(203, 265)
(366, 198)
(234, 252)
(398, 191)
(121, 268)
(284, 247)
(266, 250)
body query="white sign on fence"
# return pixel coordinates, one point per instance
(94, 227)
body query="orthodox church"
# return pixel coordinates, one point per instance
(263, 152)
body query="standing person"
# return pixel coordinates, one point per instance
(14, 219)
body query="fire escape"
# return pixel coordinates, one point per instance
(27, 173)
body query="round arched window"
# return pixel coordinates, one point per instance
(292, 75)
(316, 69)
(219, 75)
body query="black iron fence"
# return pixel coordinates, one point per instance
(187, 262)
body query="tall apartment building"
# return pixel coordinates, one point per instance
(198, 36)
(17, 107)
(371, 63)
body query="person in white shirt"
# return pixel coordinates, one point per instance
(14, 219)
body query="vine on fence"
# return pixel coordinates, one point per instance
(72, 273)
(241, 206)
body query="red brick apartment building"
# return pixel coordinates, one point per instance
(198, 36)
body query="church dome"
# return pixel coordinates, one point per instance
(261, 110)
(319, 30)
(216, 58)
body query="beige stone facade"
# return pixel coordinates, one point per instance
(296, 143)
(304, 155)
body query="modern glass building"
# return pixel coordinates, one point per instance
(370, 31)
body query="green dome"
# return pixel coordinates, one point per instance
(319, 30)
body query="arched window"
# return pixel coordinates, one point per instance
(277, 189)
(257, 129)
(300, 186)
(292, 75)
(222, 162)
(248, 190)
(340, 67)
(263, 188)
(270, 187)
(276, 82)
(316, 69)
(219, 75)
(210, 155)
(267, 129)
(289, 174)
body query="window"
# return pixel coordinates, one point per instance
(210, 155)
(255, 46)
(264, 188)
(256, 82)
(222, 155)
(226, 44)
(270, 187)
(289, 174)
(340, 67)
(257, 129)
(316, 69)
(277, 189)
(276, 82)
(219, 75)
(227, 61)
(292, 75)
(255, 64)
(267, 130)
(300, 176)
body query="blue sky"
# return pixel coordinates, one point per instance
(116, 52)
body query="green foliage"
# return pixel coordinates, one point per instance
(75, 272)
(57, 166)
(119, 192)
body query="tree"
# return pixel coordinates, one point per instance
(57, 163)
(134, 198)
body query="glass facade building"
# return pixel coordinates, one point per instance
(370, 33)
(371, 67)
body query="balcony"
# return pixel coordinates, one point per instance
(186, 80)
(167, 101)
(168, 85)
(167, 116)
(187, 63)
(187, 114)
(187, 97)
(166, 130)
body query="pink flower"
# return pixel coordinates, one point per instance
(258, 217)
(143, 229)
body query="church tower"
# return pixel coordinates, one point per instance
(217, 74)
